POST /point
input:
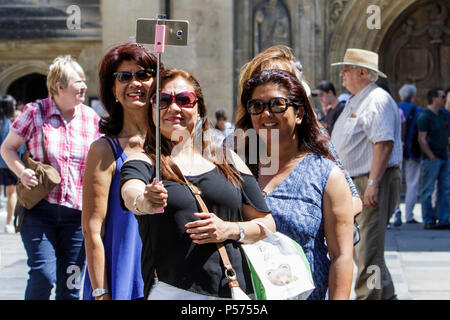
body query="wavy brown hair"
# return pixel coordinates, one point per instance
(168, 168)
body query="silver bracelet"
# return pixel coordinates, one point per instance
(135, 204)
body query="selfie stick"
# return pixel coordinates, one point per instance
(160, 33)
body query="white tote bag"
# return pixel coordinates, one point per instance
(279, 268)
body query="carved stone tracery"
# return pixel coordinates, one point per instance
(417, 51)
(271, 25)
(335, 12)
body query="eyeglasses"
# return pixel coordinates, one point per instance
(185, 99)
(141, 75)
(276, 105)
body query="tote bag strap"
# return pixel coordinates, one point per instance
(46, 161)
(229, 271)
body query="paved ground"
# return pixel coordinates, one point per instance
(418, 259)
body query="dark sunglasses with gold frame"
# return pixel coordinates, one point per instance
(141, 75)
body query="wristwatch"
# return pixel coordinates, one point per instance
(99, 292)
(371, 182)
(241, 233)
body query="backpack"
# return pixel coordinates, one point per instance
(415, 146)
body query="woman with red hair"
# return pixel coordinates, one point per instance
(113, 246)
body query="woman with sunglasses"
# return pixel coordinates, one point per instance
(282, 57)
(180, 244)
(308, 194)
(113, 245)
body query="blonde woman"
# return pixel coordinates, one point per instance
(51, 230)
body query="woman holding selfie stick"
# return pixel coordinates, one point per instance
(180, 259)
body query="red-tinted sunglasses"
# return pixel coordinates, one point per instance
(185, 99)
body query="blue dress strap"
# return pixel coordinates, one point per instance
(117, 145)
(120, 155)
(112, 144)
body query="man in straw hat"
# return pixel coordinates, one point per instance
(367, 137)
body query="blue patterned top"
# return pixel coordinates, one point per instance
(122, 242)
(296, 205)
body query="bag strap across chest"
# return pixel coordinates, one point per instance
(229, 271)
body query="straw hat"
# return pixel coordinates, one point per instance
(361, 58)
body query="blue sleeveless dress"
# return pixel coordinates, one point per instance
(296, 205)
(122, 242)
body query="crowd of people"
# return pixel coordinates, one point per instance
(135, 233)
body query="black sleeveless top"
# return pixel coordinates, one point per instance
(167, 247)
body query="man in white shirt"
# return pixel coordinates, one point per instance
(367, 137)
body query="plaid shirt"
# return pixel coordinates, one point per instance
(67, 145)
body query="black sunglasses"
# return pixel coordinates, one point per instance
(275, 105)
(141, 75)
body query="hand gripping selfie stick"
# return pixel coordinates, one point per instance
(161, 32)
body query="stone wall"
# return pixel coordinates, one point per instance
(19, 58)
(208, 55)
(35, 32)
(223, 36)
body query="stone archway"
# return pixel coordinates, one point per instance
(28, 88)
(16, 71)
(416, 49)
(351, 29)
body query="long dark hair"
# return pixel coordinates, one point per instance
(168, 168)
(112, 123)
(310, 138)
